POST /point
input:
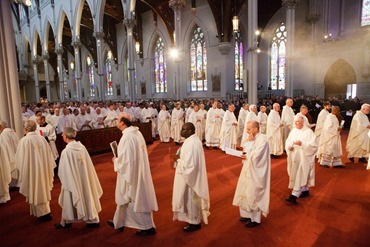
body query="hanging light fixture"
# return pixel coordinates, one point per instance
(235, 20)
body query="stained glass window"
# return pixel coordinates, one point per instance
(160, 67)
(198, 61)
(365, 13)
(278, 58)
(108, 73)
(238, 61)
(90, 76)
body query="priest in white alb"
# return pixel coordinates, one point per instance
(330, 144)
(135, 195)
(8, 172)
(251, 116)
(80, 191)
(196, 118)
(287, 116)
(274, 131)
(177, 120)
(358, 142)
(321, 119)
(35, 163)
(213, 126)
(252, 194)
(241, 120)
(229, 129)
(301, 147)
(164, 124)
(190, 198)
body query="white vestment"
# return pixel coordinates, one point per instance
(274, 133)
(35, 163)
(358, 142)
(177, 121)
(320, 122)
(196, 119)
(190, 198)
(253, 188)
(147, 115)
(251, 116)
(83, 122)
(129, 111)
(48, 131)
(330, 145)
(135, 195)
(287, 118)
(241, 123)
(164, 126)
(203, 113)
(262, 119)
(301, 160)
(229, 131)
(80, 190)
(111, 118)
(65, 121)
(8, 147)
(98, 121)
(213, 127)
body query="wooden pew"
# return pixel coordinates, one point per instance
(98, 140)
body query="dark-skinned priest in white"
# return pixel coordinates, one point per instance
(190, 198)
(35, 163)
(135, 195)
(252, 194)
(80, 191)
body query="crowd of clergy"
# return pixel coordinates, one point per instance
(259, 132)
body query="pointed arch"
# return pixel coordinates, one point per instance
(278, 58)
(338, 76)
(47, 27)
(160, 65)
(60, 24)
(35, 37)
(198, 60)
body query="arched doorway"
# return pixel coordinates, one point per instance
(338, 76)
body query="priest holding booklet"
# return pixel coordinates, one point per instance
(252, 194)
(135, 195)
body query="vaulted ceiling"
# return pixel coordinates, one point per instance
(222, 10)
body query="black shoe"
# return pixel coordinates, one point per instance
(148, 232)
(363, 160)
(192, 227)
(92, 225)
(252, 224)
(273, 156)
(111, 224)
(60, 226)
(305, 194)
(340, 166)
(242, 219)
(352, 160)
(292, 199)
(177, 143)
(325, 166)
(45, 218)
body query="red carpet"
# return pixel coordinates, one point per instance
(337, 212)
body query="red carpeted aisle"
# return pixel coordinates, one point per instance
(336, 213)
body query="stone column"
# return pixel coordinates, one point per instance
(177, 6)
(77, 46)
(99, 36)
(10, 100)
(59, 52)
(47, 79)
(36, 78)
(130, 24)
(252, 59)
(312, 18)
(290, 6)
